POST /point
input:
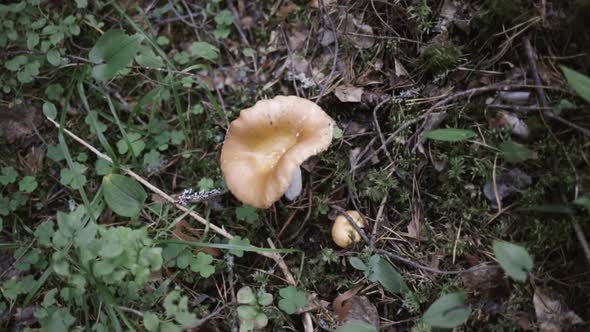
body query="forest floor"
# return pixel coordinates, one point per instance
(462, 139)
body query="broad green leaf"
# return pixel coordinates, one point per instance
(245, 295)
(358, 264)
(8, 175)
(448, 311)
(137, 144)
(54, 91)
(265, 299)
(450, 134)
(383, 272)
(44, 232)
(514, 259)
(578, 81)
(246, 312)
(204, 50)
(357, 326)
(150, 321)
(53, 57)
(260, 321)
(32, 40)
(49, 110)
(28, 184)
(224, 17)
(337, 133)
(246, 213)
(237, 240)
(103, 167)
(73, 177)
(113, 51)
(292, 299)
(514, 152)
(124, 195)
(148, 58)
(202, 264)
(205, 184)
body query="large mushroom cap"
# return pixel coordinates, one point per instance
(267, 143)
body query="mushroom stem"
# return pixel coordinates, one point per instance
(296, 185)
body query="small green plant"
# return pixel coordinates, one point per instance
(292, 299)
(251, 310)
(514, 260)
(438, 58)
(420, 13)
(377, 184)
(449, 311)
(380, 270)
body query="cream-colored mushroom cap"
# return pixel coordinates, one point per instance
(343, 233)
(267, 143)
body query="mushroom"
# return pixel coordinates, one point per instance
(265, 146)
(343, 233)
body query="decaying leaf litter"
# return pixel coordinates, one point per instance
(461, 138)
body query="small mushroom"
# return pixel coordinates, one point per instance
(265, 146)
(343, 233)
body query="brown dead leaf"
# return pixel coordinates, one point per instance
(415, 226)
(342, 309)
(33, 161)
(287, 9)
(400, 70)
(552, 315)
(483, 280)
(355, 32)
(196, 236)
(326, 37)
(297, 38)
(17, 123)
(361, 309)
(509, 120)
(348, 93)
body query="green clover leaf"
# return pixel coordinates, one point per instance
(202, 264)
(292, 299)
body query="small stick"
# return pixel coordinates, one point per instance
(530, 53)
(307, 322)
(378, 220)
(431, 269)
(151, 187)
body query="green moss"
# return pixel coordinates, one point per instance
(438, 58)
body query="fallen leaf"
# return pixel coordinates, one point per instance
(400, 70)
(326, 37)
(360, 35)
(509, 120)
(552, 315)
(34, 159)
(348, 93)
(297, 39)
(287, 9)
(17, 123)
(447, 16)
(342, 309)
(362, 310)
(484, 280)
